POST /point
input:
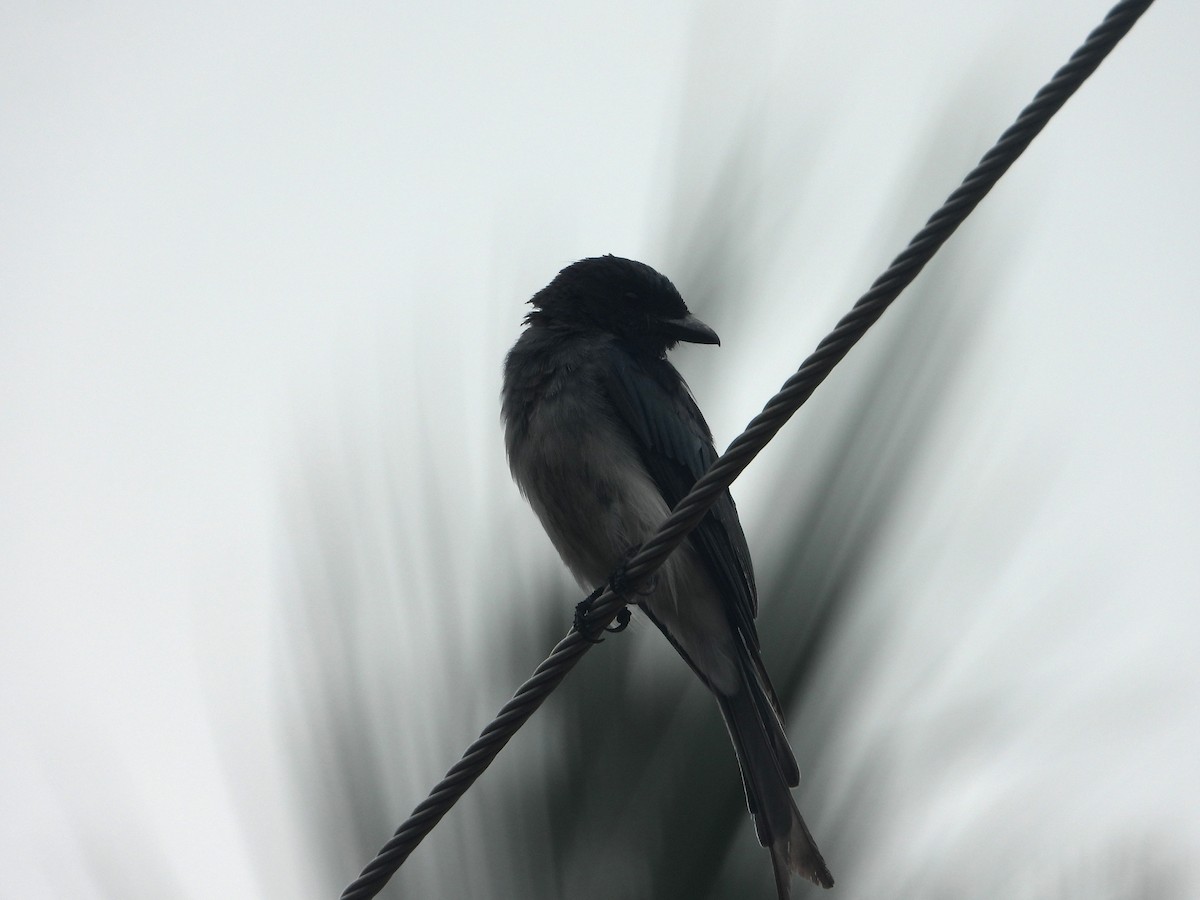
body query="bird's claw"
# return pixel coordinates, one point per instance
(617, 584)
(580, 622)
(622, 621)
(587, 631)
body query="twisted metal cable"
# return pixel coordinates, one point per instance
(795, 391)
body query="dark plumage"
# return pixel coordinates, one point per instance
(603, 438)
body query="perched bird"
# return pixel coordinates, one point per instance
(604, 438)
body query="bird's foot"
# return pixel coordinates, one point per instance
(620, 576)
(622, 621)
(617, 583)
(587, 631)
(580, 623)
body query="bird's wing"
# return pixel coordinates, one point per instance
(676, 448)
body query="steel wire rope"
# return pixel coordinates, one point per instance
(791, 396)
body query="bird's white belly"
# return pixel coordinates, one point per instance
(595, 499)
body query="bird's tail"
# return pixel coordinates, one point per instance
(768, 772)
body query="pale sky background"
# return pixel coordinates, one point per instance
(234, 235)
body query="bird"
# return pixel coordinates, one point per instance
(603, 438)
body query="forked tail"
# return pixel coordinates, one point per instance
(768, 773)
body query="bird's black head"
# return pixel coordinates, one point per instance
(621, 297)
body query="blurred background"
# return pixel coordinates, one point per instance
(265, 576)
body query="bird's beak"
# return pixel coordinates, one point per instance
(690, 329)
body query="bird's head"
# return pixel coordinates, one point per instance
(621, 297)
